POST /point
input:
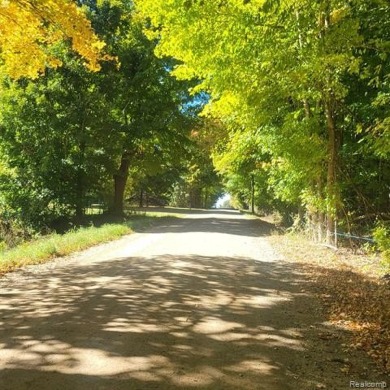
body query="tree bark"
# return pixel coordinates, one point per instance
(141, 198)
(80, 184)
(79, 196)
(196, 198)
(120, 180)
(320, 227)
(252, 193)
(80, 176)
(206, 198)
(331, 180)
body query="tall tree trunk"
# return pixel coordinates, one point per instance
(141, 198)
(196, 198)
(316, 216)
(80, 175)
(80, 190)
(206, 198)
(120, 180)
(329, 102)
(79, 209)
(320, 228)
(252, 193)
(331, 180)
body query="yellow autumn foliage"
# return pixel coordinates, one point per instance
(29, 27)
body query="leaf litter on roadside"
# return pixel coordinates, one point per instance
(356, 298)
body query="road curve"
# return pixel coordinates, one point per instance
(199, 302)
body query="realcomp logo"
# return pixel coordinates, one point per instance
(368, 385)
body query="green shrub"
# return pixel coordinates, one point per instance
(382, 238)
(3, 246)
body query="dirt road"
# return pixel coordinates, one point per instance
(200, 302)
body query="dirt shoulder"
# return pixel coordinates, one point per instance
(353, 292)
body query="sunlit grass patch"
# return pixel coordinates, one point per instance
(56, 245)
(45, 248)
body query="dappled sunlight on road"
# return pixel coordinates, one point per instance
(169, 321)
(202, 303)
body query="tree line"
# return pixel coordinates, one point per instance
(287, 100)
(93, 127)
(302, 89)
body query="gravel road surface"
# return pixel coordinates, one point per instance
(198, 302)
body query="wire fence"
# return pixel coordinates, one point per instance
(353, 237)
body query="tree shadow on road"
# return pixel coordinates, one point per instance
(184, 211)
(166, 322)
(210, 224)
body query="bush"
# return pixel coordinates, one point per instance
(12, 232)
(382, 238)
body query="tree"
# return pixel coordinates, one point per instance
(66, 133)
(59, 135)
(29, 31)
(147, 98)
(281, 68)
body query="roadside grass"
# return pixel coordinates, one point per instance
(55, 245)
(351, 286)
